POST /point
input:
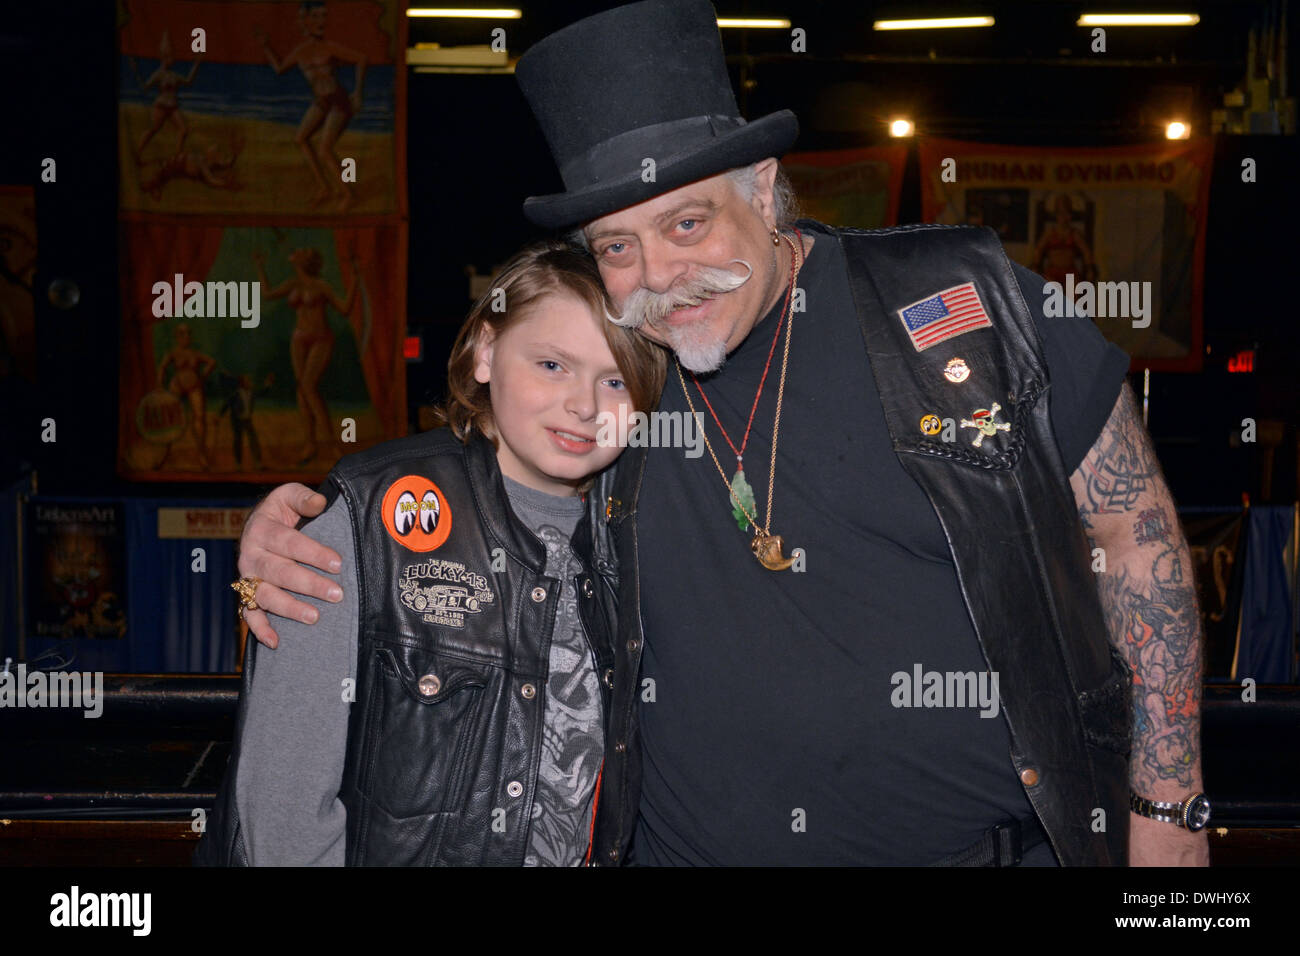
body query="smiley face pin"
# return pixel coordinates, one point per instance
(956, 371)
(931, 425)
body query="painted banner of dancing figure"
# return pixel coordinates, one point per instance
(1117, 232)
(258, 353)
(252, 108)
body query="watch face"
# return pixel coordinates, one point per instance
(1198, 812)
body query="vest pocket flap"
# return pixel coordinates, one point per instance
(430, 677)
(1107, 710)
(424, 723)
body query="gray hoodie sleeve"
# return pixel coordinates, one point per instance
(296, 724)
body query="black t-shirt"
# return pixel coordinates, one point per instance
(772, 738)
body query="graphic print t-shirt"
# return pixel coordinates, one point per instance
(573, 738)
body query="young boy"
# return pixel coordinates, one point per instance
(451, 709)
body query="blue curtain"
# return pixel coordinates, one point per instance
(184, 621)
(1266, 641)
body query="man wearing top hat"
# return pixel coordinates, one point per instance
(925, 600)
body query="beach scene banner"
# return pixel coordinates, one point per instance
(1117, 232)
(262, 108)
(853, 188)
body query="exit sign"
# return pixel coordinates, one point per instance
(1243, 361)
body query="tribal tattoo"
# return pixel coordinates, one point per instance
(1121, 466)
(1148, 595)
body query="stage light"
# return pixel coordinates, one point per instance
(754, 23)
(1138, 20)
(1177, 130)
(501, 13)
(901, 127)
(933, 23)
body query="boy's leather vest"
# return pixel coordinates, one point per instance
(445, 734)
(1012, 525)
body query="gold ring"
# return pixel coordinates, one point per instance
(247, 588)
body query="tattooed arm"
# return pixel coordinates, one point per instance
(1149, 599)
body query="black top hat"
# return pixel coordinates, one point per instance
(644, 81)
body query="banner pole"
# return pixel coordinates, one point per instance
(1146, 394)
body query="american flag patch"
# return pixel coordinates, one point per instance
(946, 314)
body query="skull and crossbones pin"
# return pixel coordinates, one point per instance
(982, 421)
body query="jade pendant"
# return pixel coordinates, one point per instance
(743, 496)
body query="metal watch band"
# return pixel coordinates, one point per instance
(1175, 813)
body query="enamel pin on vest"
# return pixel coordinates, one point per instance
(956, 371)
(982, 419)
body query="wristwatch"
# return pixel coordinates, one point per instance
(1192, 814)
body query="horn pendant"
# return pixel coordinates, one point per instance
(767, 548)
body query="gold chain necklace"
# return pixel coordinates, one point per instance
(767, 547)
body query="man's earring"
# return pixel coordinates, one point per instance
(776, 236)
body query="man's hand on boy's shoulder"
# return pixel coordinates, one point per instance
(271, 548)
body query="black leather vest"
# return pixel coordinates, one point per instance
(444, 737)
(1011, 522)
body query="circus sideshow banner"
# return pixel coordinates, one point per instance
(246, 108)
(258, 353)
(17, 270)
(76, 564)
(849, 187)
(1118, 233)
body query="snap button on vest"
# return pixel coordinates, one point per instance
(587, 589)
(514, 788)
(430, 685)
(620, 747)
(1029, 777)
(539, 594)
(528, 691)
(609, 678)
